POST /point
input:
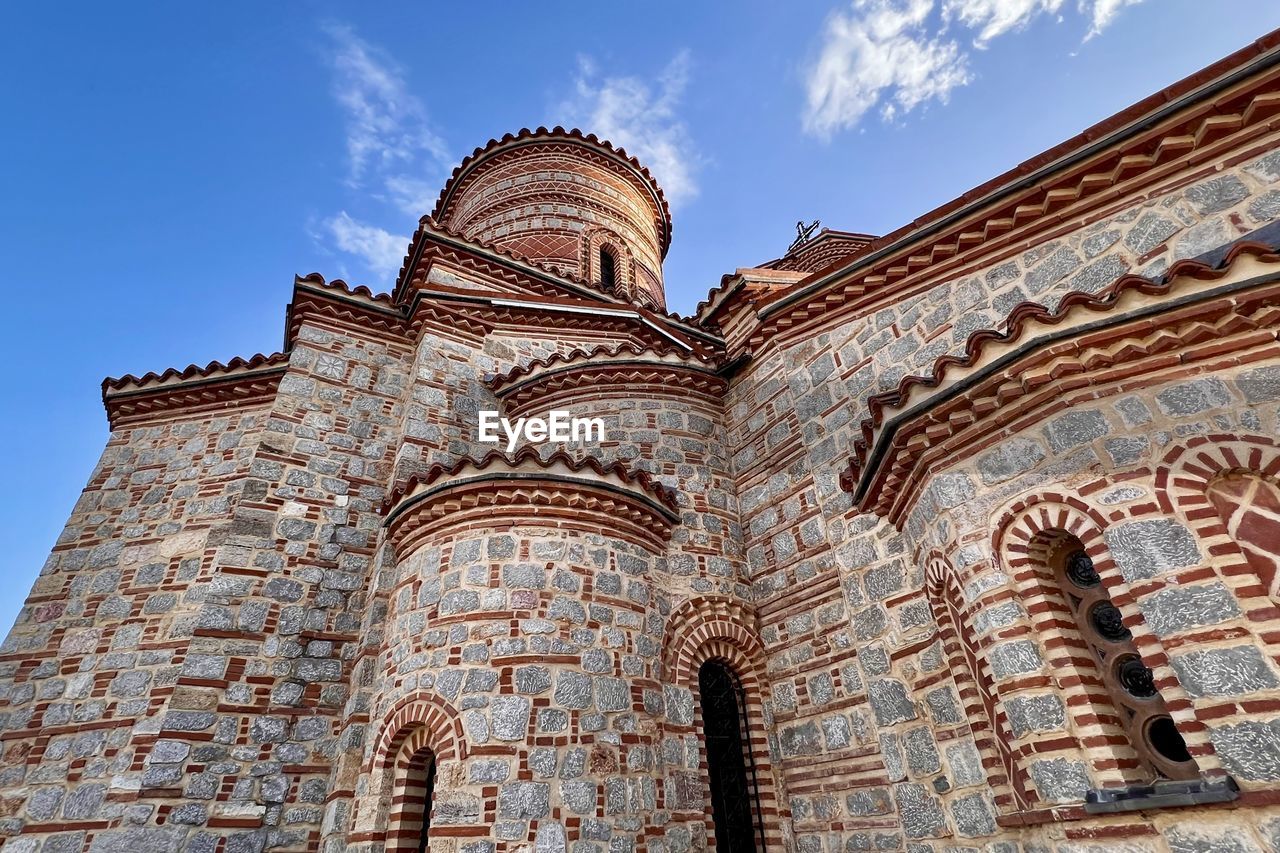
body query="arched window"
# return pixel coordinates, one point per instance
(733, 786)
(608, 273)
(417, 787)
(1135, 702)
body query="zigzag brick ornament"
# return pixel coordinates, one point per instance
(961, 538)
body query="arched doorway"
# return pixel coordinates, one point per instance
(734, 804)
(415, 787)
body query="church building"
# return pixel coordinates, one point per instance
(964, 538)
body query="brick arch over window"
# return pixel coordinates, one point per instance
(1228, 489)
(986, 721)
(624, 273)
(420, 731)
(1029, 531)
(705, 629)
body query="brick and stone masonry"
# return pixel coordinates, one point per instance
(979, 521)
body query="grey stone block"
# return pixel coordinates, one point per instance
(1144, 549)
(1009, 459)
(890, 702)
(510, 717)
(1074, 429)
(1218, 193)
(974, 815)
(1149, 231)
(921, 811)
(1060, 780)
(1224, 672)
(1042, 713)
(1249, 750)
(524, 800)
(1180, 608)
(1014, 658)
(1260, 385)
(1193, 397)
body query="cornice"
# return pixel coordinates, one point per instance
(527, 458)
(337, 302)
(1191, 121)
(588, 380)
(1187, 314)
(236, 366)
(661, 351)
(130, 400)
(556, 490)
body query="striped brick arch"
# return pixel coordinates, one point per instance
(1029, 532)
(418, 735)
(705, 629)
(985, 719)
(1227, 487)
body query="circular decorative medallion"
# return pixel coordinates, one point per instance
(1080, 570)
(1108, 622)
(1135, 677)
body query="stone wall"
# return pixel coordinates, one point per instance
(99, 652)
(870, 738)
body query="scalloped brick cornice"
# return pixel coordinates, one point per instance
(658, 352)
(131, 400)
(558, 490)
(528, 456)
(236, 365)
(1086, 339)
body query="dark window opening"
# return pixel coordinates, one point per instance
(607, 273)
(733, 790)
(1165, 739)
(423, 772)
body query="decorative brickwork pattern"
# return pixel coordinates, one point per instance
(302, 606)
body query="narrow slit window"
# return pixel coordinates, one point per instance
(608, 274)
(423, 783)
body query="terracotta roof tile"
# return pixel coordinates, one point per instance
(193, 371)
(588, 353)
(664, 495)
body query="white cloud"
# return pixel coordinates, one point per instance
(394, 154)
(900, 54)
(994, 18)
(642, 118)
(387, 126)
(1103, 12)
(381, 251)
(880, 53)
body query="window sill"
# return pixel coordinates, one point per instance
(1167, 793)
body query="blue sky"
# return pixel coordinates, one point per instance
(169, 167)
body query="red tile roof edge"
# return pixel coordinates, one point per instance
(1238, 60)
(663, 494)
(192, 370)
(586, 354)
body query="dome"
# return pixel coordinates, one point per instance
(569, 201)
